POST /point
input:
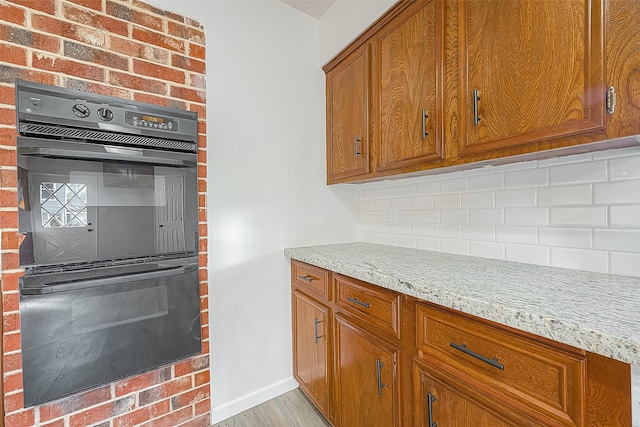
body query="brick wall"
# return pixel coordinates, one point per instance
(127, 49)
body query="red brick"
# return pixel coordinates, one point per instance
(74, 403)
(11, 322)
(202, 421)
(158, 71)
(205, 347)
(189, 95)
(47, 6)
(171, 420)
(145, 19)
(202, 230)
(21, 419)
(202, 200)
(57, 423)
(11, 13)
(95, 20)
(12, 362)
(203, 407)
(93, 4)
(205, 333)
(197, 81)
(164, 391)
(8, 74)
(10, 301)
(149, 8)
(142, 381)
(102, 412)
(190, 397)
(186, 63)
(13, 381)
(65, 66)
(202, 214)
(184, 32)
(141, 415)
(200, 109)
(202, 156)
(8, 116)
(8, 178)
(202, 125)
(13, 54)
(11, 342)
(46, 42)
(202, 142)
(51, 26)
(9, 219)
(198, 363)
(86, 53)
(8, 198)
(8, 96)
(204, 303)
(203, 377)
(170, 15)
(13, 402)
(197, 51)
(202, 169)
(202, 185)
(10, 282)
(138, 50)
(193, 23)
(8, 157)
(10, 261)
(137, 83)
(203, 291)
(157, 39)
(153, 99)
(100, 88)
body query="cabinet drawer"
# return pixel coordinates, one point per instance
(545, 378)
(313, 279)
(375, 305)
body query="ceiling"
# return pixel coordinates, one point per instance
(315, 8)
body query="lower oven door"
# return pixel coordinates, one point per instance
(82, 334)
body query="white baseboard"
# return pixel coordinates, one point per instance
(227, 410)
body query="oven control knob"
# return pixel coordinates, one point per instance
(105, 114)
(81, 110)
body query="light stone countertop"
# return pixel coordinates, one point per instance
(596, 312)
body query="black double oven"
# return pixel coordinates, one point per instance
(108, 223)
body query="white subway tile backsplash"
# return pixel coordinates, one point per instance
(448, 175)
(618, 152)
(527, 253)
(624, 168)
(565, 160)
(453, 186)
(617, 240)
(404, 229)
(529, 178)
(487, 249)
(486, 182)
(365, 216)
(428, 243)
(594, 216)
(423, 229)
(624, 216)
(368, 237)
(366, 226)
(379, 216)
(370, 194)
(618, 192)
(565, 195)
(480, 170)
(428, 216)
(578, 172)
(387, 239)
(526, 216)
(565, 237)
(402, 203)
(449, 231)
(447, 201)
(478, 200)
(406, 216)
(423, 202)
(486, 216)
(516, 198)
(382, 204)
(479, 232)
(382, 227)
(518, 166)
(454, 246)
(366, 205)
(511, 234)
(454, 216)
(406, 190)
(427, 188)
(386, 193)
(625, 264)
(579, 259)
(406, 241)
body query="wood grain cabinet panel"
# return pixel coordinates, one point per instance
(311, 279)
(410, 93)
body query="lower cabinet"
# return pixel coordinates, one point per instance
(365, 378)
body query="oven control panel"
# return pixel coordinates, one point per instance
(144, 120)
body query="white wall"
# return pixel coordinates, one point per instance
(266, 187)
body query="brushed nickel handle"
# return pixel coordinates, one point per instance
(463, 348)
(476, 99)
(356, 143)
(430, 399)
(356, 301)
(316, 321)
(306, 278)
(424, 124)
(381, 385)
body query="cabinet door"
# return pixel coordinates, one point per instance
(530, 70)
(311, 349)
(366, 379)
(348, 117)
(410, 108)
(443, 399)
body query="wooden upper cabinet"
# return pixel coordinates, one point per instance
(410, 103)
(348, 116)
(530, 70)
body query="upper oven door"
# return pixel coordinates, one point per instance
(85, 202)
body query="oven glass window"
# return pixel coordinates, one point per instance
(63, 205)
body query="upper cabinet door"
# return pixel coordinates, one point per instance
(408, 69)
(348, 116)
(530, 70)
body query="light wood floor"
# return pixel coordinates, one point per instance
(289, 410)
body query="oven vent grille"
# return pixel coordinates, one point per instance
(112, 137)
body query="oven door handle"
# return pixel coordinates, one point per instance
(93, 155)
(106, 281)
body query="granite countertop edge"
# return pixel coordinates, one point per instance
(444, 285)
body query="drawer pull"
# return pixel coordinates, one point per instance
(306, 278)
(430, 399)
(355, 301)
(381, 385)
(463, 348)
(315, 329)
